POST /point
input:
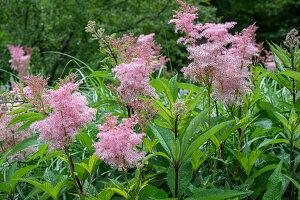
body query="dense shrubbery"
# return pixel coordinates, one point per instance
(128, 132)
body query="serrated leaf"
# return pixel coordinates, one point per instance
(164, 136)
(217, 194)
(20, 173)
(120, 192)
(274, 184)
(193, 125)
(174, 87)
(26, 143)
(5, 187)
(26, 117)
(204, 137)
(17, 111)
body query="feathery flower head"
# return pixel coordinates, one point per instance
(134, 80)
(69, 112)
(184, 23)
(269, 61)
(220, 60)
(19, 61)
(117, 145)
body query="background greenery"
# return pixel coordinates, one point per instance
(59, 25)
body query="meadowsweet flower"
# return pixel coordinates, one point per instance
(184, 23)
(19, 61)
(117, 145)
(139, 58)
(69, 112)
(220, 60)
(269, 61)
(134, 80)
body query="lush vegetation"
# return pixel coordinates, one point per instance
(119, 128)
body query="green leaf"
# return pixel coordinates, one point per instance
(93, 163)
(174, 87)
(193, 125)
(247, 163)
(5, 187)
(20, 110)
(204, 137)
(267, 142)
(198, 158)
(185, 175)
(274, 184)
(293, 74)
(26, 117)
(261, 171)
(294, 182)
(105, 195)
(151, 192)
(102, 74)
(189, 86)
(26, 143)
(166, 110)
(164, 136)
(46, 187)
(167, 92)
(283, 120)
(281, 54)
(86, 140)
(217, 194)
(120, 192)
(27, 124)
(20, 173)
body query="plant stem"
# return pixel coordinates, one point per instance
(197, 177)
(217, 110)
(75, 178)
(291, 165)
(138, 185)
(128, 111)
(176, 167)
(125, 175)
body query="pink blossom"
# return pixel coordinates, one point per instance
(117, 143)
(69, 112)
(20, 61)
(269, 62)
(219, 60)
(184, 23)
(139, 57)
(134, 80)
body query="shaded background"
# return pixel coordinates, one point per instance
(58, 25)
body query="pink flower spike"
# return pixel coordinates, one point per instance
(69, 114)
(117, 145)
(20, 61)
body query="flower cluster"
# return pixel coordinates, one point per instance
(269, 61)
(139, 58)
(69, 112)
(117, 143)
(33, 92)
(220, 60)
(19, 61)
